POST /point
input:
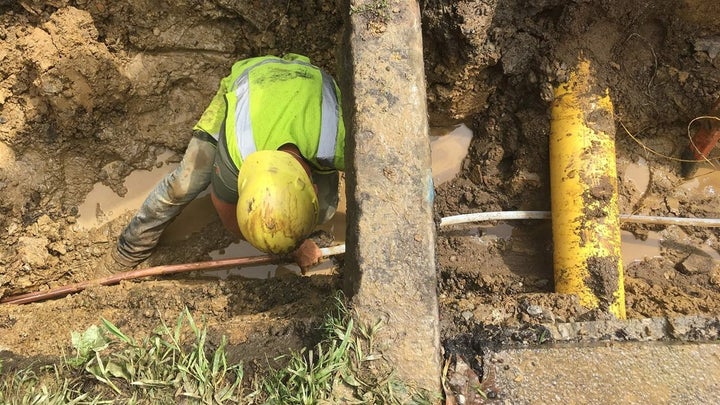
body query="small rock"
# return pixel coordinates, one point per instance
(673, 204)
(696, 264)
(715, 277)
(33, 251)
(711, 45)
(115, 170)
(683, 76)
(548, 316)
(58, 247)
(12, 228)
(467, 315)
(534, 310)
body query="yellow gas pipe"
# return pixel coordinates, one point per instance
(583, 178)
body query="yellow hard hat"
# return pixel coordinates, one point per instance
(277, 205)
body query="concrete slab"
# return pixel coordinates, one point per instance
(390, 259)
(612, 373)
(659, 360)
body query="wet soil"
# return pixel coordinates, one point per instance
(91, 91)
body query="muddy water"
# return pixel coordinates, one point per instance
(636, 178)
(449, 146)
(704, 184)
(102, 205)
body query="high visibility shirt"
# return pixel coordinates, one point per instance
(267, 102)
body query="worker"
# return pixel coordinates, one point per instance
(269, 145)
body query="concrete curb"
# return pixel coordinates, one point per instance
(613, 373)
(390, 261)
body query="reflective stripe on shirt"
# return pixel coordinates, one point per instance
(329, 115)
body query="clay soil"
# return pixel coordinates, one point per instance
(91, 91)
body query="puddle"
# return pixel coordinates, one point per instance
(448, 146)
(102, 205)
(637, 178)
(637, 250)
(500, 231)
(244, 249)
(199, 213)
(704, 184)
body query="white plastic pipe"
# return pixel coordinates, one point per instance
(333, 250)
(493, 216)
(639, 219)
(509, 215)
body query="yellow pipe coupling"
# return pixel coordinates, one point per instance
(584, 194)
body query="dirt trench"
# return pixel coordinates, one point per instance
(91, 91)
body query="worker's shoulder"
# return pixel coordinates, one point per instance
(243, 64)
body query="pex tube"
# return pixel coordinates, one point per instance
(584, 194)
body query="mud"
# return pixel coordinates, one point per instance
(91, 91)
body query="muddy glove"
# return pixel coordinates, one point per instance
(307, 255)
(166, 201)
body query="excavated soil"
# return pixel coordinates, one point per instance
(91, 91)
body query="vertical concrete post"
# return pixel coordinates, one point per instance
(390, 259)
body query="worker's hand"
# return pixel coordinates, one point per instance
(307, 255)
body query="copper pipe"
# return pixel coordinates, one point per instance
(139, 273)
(163, 270)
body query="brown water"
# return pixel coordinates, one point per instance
(449, 146)
(102, 205)
(704, 184)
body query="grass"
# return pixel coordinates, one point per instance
(177, 365)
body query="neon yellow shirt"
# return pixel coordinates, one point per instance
(267, 102)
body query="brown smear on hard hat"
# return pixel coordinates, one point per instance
(92, 94)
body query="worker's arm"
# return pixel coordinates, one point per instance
(167, 200)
